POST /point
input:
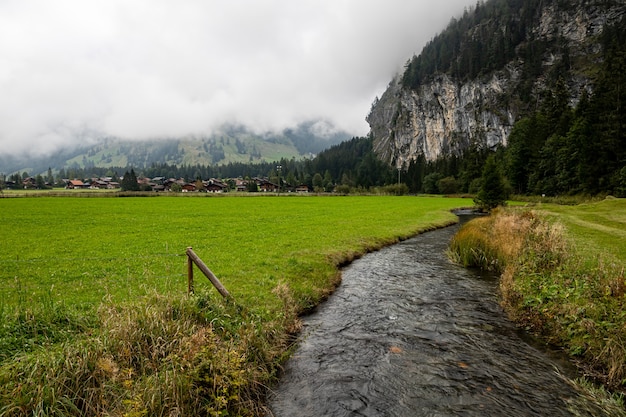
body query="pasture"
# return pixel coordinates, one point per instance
(82, 251)
(94, 305)
(596, 229)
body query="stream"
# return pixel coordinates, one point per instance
(408, 333)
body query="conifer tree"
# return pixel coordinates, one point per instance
(493, 192)
(129, 182)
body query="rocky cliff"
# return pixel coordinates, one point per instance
(445, 113)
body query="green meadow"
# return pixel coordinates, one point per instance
(95, 314)
(85, 250)
(597, 230)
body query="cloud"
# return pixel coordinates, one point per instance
(74, 70)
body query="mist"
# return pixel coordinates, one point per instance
(73, 71)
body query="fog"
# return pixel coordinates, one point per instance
(75, 70)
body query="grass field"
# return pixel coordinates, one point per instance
(82, 250)
(596, 229)
(94, 303)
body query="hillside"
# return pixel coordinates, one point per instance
(505, 66)
(233, 144)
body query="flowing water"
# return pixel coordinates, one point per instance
(408, 333)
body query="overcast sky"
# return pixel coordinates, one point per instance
(75, 69)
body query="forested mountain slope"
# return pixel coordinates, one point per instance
(232, 144)
(545, 78)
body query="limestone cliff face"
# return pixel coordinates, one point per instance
(444, 115)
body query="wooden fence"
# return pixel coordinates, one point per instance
(192, 258)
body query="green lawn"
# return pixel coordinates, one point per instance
(597, 229)
(84, 250)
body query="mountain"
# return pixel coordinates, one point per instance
(502, 61)
(232, 144)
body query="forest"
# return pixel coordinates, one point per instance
(555, 148)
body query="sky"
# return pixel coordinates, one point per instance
(75, 70)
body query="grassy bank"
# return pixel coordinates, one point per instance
(95, 317)
(562, 277)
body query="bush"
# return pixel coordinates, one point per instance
(447, 185)
(396, 189)
(430, 183)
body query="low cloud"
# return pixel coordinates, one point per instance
(75, 70)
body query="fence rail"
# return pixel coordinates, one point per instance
(192, 258)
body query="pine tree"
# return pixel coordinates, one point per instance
(493, 192)
(129, 182)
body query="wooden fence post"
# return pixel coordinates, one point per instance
(207, 272)
(189, 274)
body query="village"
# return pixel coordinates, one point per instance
(162, 184)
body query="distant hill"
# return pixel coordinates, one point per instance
(232, 144)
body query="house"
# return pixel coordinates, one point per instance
(215, 186)
(189, 187)
(241, 185)
(29, 182)
(267, 186)
(74, 184)
(99, 185)
(302, 188)
(143, 181)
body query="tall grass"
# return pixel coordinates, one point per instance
(552, 289)
(163, 356)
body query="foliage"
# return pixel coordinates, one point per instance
(493, 191)
(485, 39)
(129, 182)
(447, 185)
(431, 183)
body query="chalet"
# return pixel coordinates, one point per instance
(99, 185)
(189, 187)
(267, 186)
(302, 188)
(215, 186)
(29, 182)
(241, 185)
(143, 181)
(74, 184)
